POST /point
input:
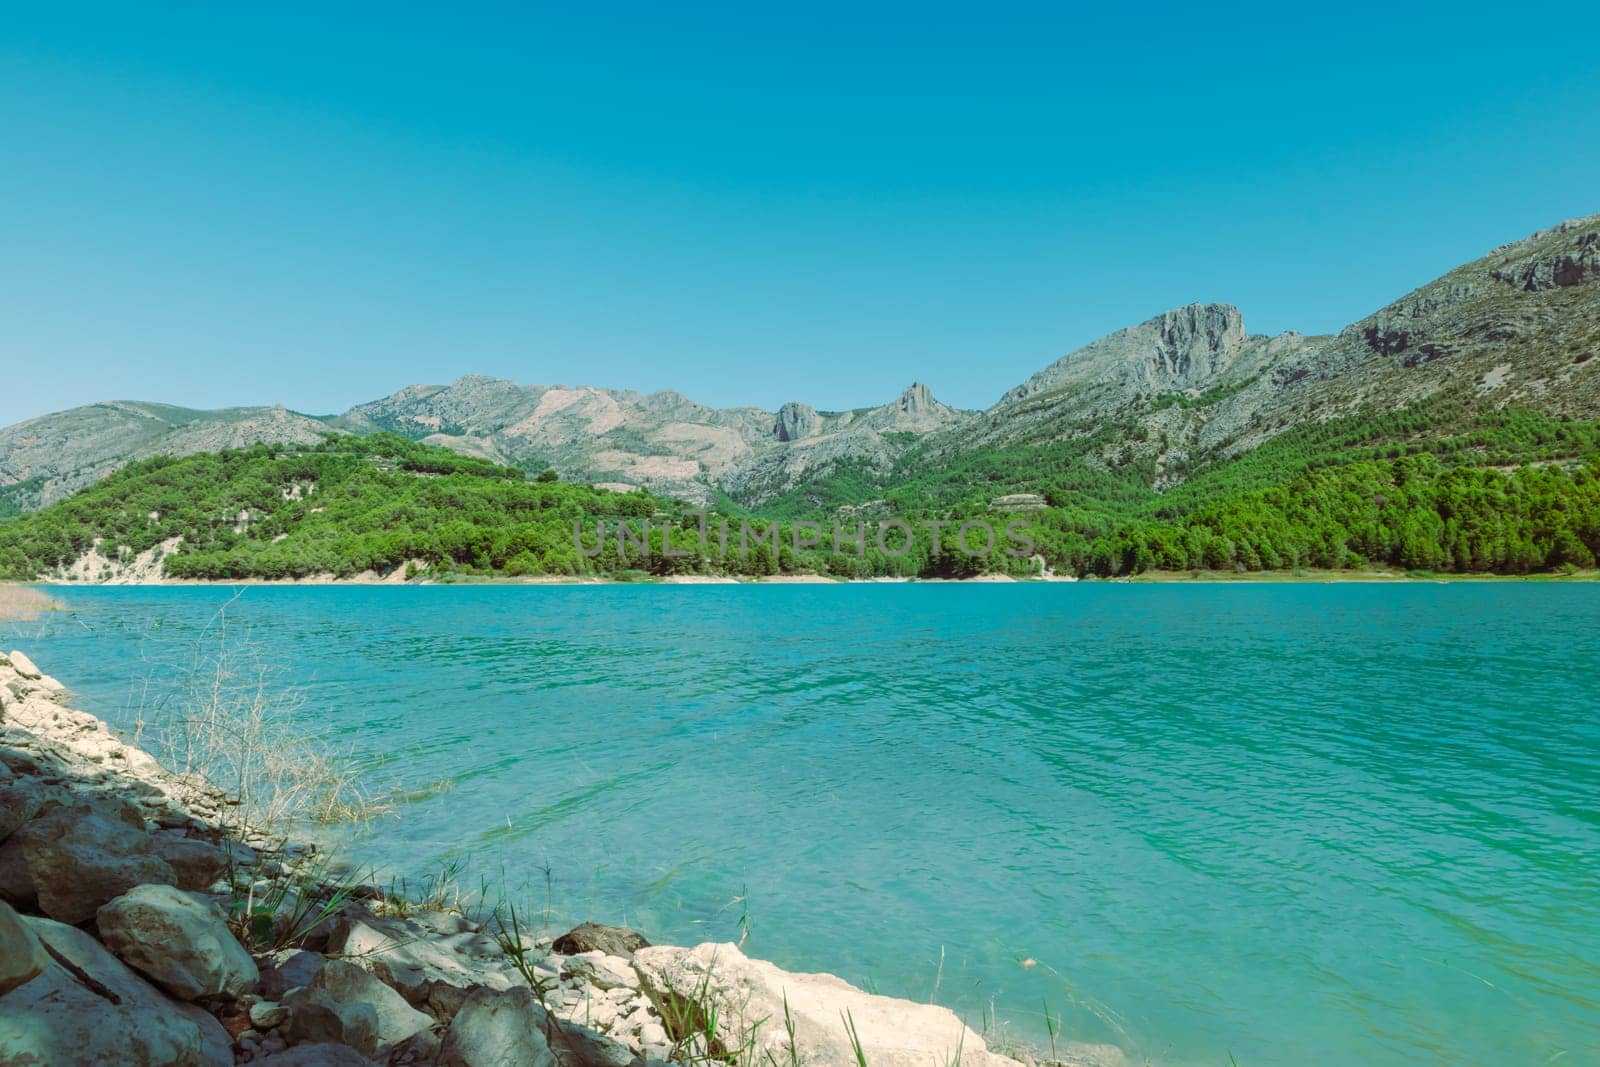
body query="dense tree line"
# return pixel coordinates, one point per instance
(1412, 513)
(1510, 493)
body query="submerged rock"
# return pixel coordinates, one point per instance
(179, 940)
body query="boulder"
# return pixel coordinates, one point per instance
(16, 884)
(287, 969)
(216, 1047)
(265, 1014)
(18, 804)
(601, 971)
(179, 940)
(346, 1005)
(576, 1045)
(749, 997)
(593, 937)
(498, 1028)
(196, 864)
(318, 1054)
(433, 961)
(112, 1017)
(80, 857)
(22, 957)
(24, 667)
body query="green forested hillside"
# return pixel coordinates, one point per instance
(376, 503)
(1411, 512)
(1508, 493)
(347, 505)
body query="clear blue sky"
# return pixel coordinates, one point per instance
(746, 203)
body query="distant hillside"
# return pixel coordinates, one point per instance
(661, 441)
(45, 459)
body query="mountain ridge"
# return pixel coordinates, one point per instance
(1518, 326)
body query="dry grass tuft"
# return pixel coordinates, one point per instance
(233, 722)
(23, 603)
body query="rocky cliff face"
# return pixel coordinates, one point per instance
(1184, 348)
(795, 421)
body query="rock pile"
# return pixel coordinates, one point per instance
(123, 940)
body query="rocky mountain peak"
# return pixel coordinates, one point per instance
(1572, 262)
(917, 399)
(1200, 330)
(1183, 348)
(795, 421)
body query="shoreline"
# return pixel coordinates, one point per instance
(118, 875)
(1314, 577)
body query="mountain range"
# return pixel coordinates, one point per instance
(1516, 329)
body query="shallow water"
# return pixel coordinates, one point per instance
(1293, 824)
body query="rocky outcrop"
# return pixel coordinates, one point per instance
(795, 422)
(24, 667)
(753, 999)
(916, 400)
(1574, 265)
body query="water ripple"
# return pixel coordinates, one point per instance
(1298, 824)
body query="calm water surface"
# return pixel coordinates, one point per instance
(1297, 824)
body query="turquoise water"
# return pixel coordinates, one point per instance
(1297, 824)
